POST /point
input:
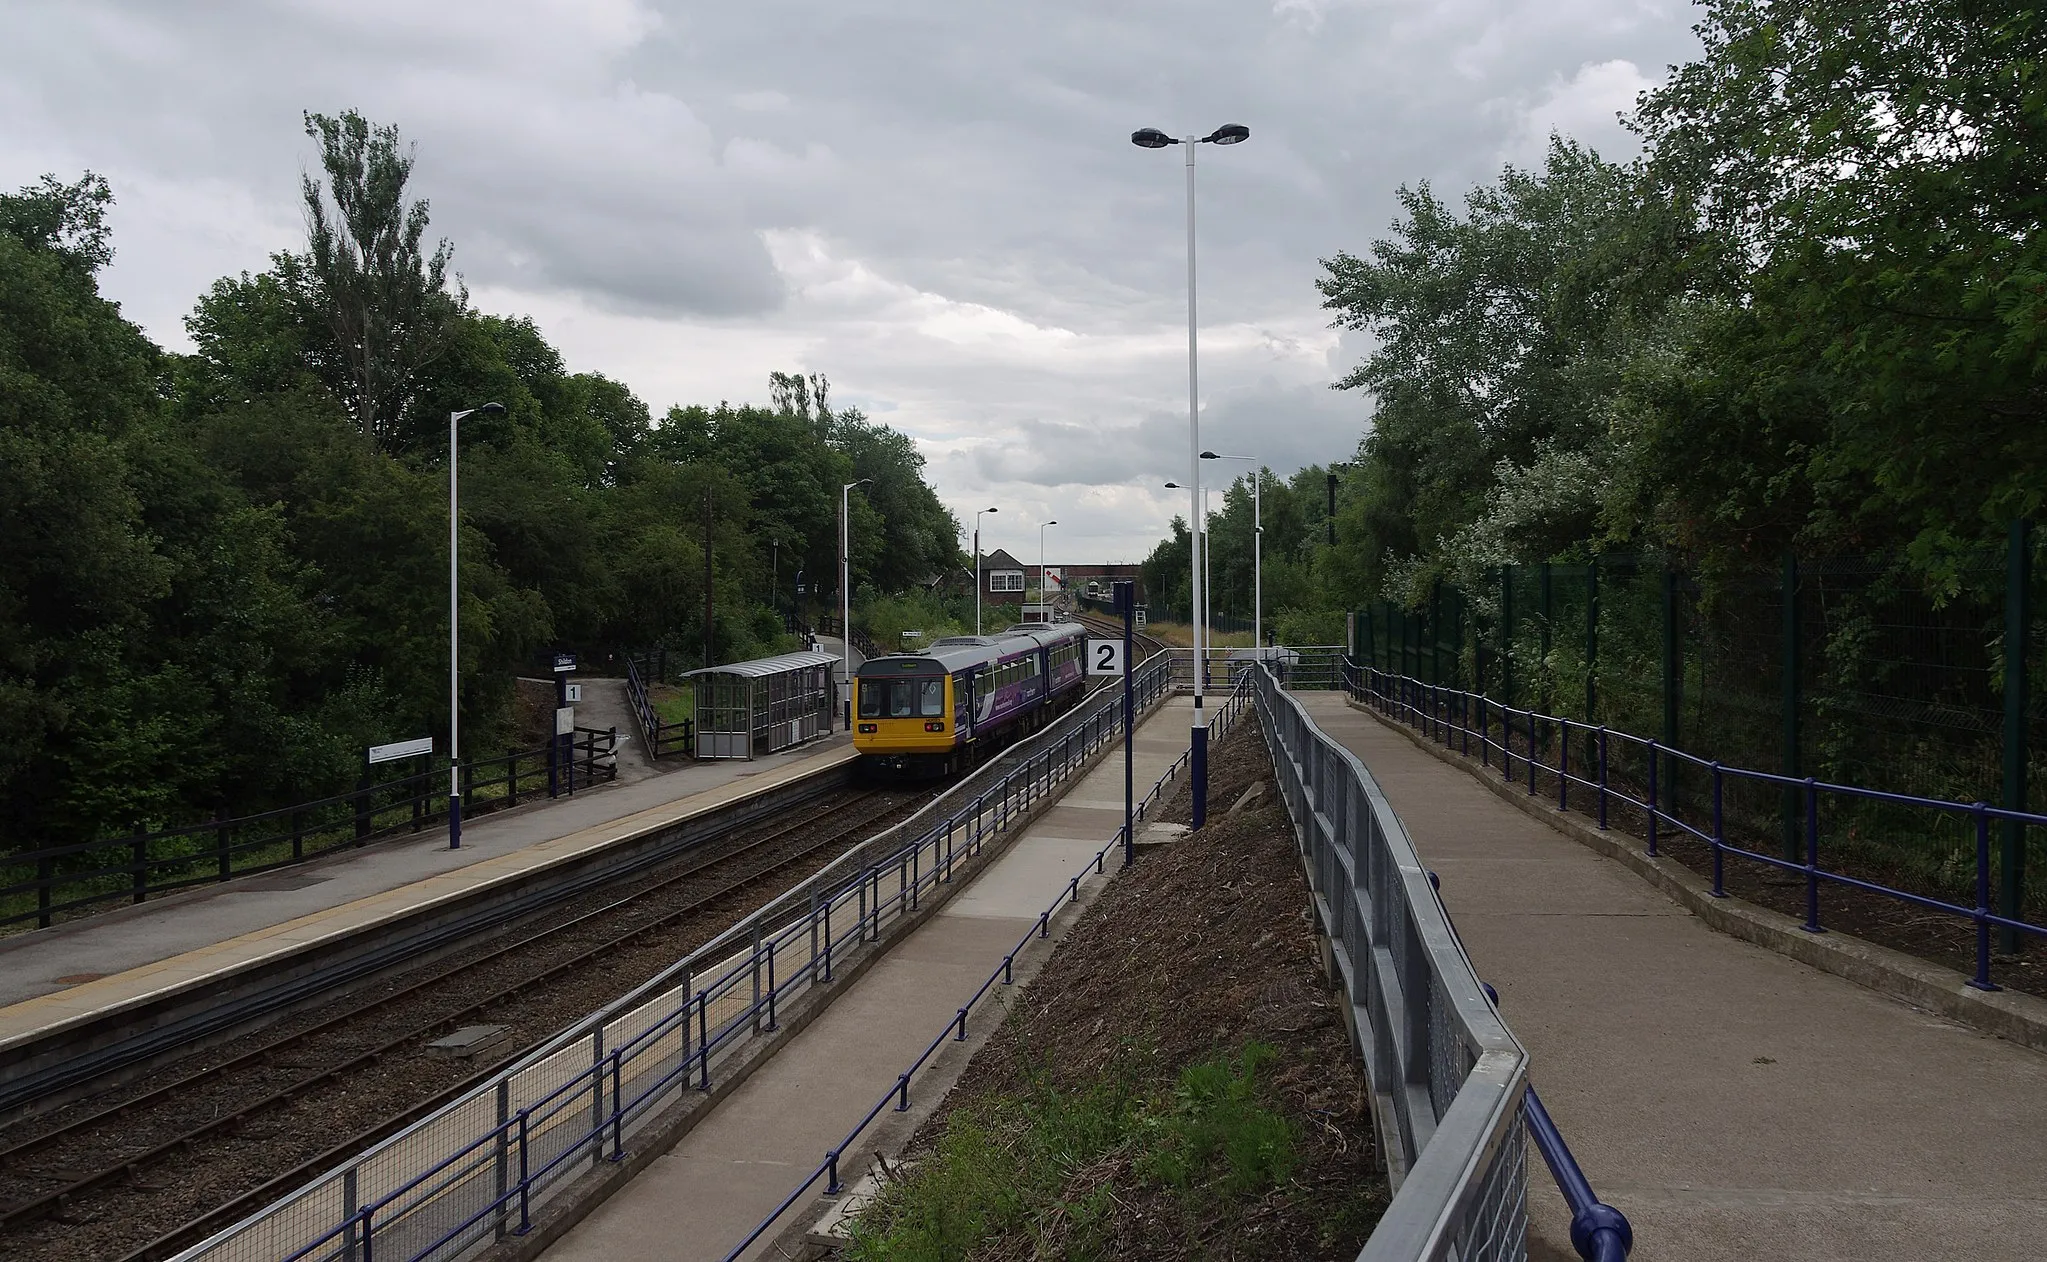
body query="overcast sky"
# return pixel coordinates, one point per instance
(936, 204)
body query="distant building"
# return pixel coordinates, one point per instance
(1002, 579)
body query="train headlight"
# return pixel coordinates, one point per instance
(870, 727)
(934, 727)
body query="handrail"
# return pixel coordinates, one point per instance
(1599, 1232)
(655, 730)
(1003, 974)
(474, 1170)
(1452, 716)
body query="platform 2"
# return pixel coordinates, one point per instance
(81, 970)
(734, 1167)
(1732, 1102)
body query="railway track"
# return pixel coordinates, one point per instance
(1112, 627)
(101, 1161)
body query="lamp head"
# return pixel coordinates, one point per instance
(1209, 455)
(491, 409)
(1151, 138)
(1174, 486)
(1228, 134)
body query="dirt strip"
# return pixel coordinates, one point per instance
(1176, 1083)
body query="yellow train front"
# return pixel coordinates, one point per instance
(939, 711)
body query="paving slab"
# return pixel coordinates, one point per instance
(189, 926)
(1734, 1103)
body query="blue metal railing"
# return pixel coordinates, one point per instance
(1003, 973)
(1599, 1232)
(461, 1177)
(1454, 717)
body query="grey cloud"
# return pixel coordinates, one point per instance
(1283, 427)
(628, 156)
(984, 148)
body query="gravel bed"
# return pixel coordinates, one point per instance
(115, 1220)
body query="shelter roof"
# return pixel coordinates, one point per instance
(764, 666)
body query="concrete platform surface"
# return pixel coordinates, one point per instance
(82, 966)
(1734, 1103)
(703, 1196)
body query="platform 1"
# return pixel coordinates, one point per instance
(83, 969)
(1732, 1102)
(733, 1168)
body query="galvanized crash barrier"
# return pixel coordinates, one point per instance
(1450, 1092)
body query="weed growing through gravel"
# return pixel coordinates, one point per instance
(1044, 1166)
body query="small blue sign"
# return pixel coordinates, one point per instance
(564, 663)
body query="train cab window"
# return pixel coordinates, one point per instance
(902, 698)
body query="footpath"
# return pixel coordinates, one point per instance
(1734, 1103)
(737, 1165)
(91, 949)
(85, 950)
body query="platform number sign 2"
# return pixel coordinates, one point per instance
(1105, 657)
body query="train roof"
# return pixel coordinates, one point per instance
(958, 652)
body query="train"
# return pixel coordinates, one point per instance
(944, 708)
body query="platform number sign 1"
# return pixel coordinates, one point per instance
(1105, 657)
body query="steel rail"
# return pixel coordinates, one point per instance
(986, 798)
(129, 1166)
(161, 1040)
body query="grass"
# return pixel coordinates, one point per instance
(673, 703)
(1182, 635)
(1052, 1166)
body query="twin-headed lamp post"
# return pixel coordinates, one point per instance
(454, 614)
(1153, 138)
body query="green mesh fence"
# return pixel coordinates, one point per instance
(1849, 670)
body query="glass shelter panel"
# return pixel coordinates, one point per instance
(745, 709)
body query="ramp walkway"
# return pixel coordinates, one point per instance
(51, 976)
(1734, 1103)
(737, 1165)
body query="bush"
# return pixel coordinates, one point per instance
(885, 618)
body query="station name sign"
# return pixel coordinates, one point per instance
(401, 749)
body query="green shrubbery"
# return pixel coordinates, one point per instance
(885, 618)
(1048, 1162)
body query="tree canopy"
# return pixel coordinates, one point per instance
(229, 570)
(1812, 314)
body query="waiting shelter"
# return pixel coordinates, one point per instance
(745, 709)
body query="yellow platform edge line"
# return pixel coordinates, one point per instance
(74, 1005)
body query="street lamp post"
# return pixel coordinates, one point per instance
(1257, 550)
(454, 616)
(1041, 568)
(1153, 138)
(846, 594)
(977, 567)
